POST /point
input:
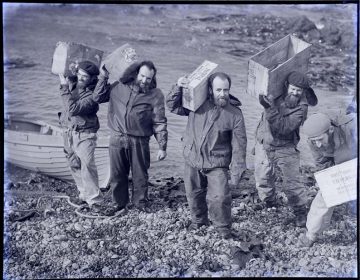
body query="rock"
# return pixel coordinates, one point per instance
(92, 244)
(171, 237)
(75, 266)
(66, 262)
(303, 24)
(32, 258)
(60, 237)
(78, 227)
(315, 260)
(268, 265)
(303, 262)
(9, 185)
(334, 262)
(105, 270)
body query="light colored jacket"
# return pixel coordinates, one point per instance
(343, 143)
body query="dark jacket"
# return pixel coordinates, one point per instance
(79, 109)
(132, 112)
(214, 136)
(279, 125)
(343, 143)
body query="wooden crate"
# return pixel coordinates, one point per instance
(68, 54)
(119, 60)
(195, 95)
(268, 69)
(338, 183)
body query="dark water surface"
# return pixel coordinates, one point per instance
(162, 33)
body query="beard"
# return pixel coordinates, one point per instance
(81, 85)
(142, 87)
(222, 102)
(291, 101)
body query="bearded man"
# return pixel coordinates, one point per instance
(136, 112)
(80, 124)
(215, 137)
(276, 139)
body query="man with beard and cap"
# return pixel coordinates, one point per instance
(331, 141)
(215, 139)
(136, 112)
(276, 139)
(80, 124)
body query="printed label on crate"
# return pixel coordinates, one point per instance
(338, 183)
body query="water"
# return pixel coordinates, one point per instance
(160, 33)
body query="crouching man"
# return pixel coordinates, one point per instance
(331, 142)
(215, 136)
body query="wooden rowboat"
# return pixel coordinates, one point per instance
(38, 146)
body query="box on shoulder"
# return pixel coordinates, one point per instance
(196, 94)
(68, 54)
(119, 60)
(268, 69)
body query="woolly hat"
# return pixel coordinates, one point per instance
(316, 124)
(89, 67)
(300, 80)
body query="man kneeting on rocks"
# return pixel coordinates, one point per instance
(215, 137)
(331, 142)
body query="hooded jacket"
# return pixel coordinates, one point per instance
(215, 136)
(279, 125)
(133, 112)
(342, 144)
(80, 109)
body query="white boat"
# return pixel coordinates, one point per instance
(39, 146)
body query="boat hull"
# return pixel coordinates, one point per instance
(45, 153)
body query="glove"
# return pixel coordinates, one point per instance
(264, 101)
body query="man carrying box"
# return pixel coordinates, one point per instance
(276, 138)
(331, 142)
(215, 136)
(136, 112)
(81, 124)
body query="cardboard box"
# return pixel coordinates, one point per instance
(68, 54)
(268, 69)
(119, 60)
(195, 95)
(338, 183)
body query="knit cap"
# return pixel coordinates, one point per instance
(316, 124)
(89, 67)
(300, 80)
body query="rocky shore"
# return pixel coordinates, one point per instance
(55, 242)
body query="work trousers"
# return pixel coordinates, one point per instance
(86, 177)
(129, 153)
(208, 189)
(288, 160)
(319, 216)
